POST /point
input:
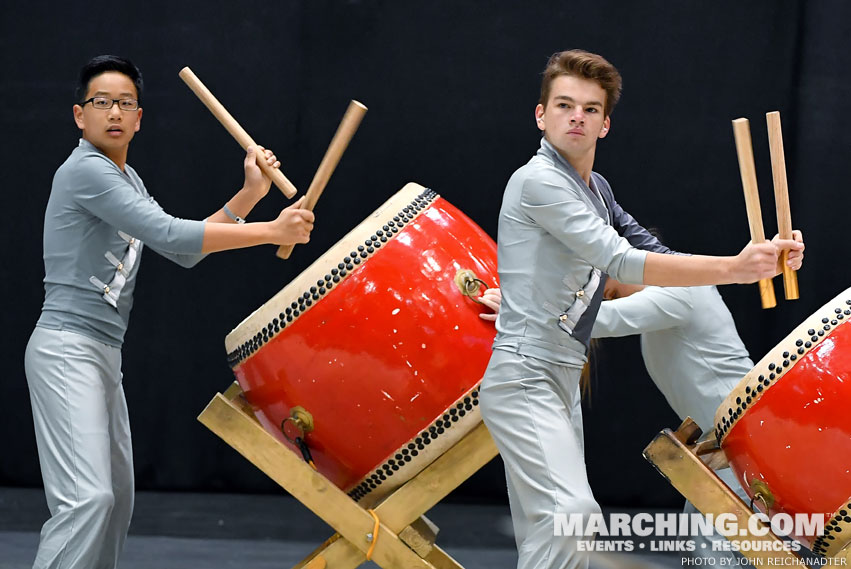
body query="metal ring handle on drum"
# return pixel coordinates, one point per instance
(469, 284)
(761, 493)
(301, 419)
(284, 429)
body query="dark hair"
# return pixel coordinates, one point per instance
(585, 65)
(102, 64)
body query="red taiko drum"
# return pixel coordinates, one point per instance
(371, 358)
(786, 428)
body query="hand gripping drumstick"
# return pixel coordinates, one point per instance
(781, 199)
(345, 132)
(235, 130)
(744, 150)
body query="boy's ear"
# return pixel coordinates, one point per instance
(78, 117)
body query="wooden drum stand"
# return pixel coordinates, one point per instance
(395, 534)
(689, 466)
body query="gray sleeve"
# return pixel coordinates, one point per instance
(186, 260)
(561, 212)
(651, 309)
(101, 190)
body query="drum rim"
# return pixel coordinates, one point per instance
(442, 433)
(768, 371)
(839, 527)
(262, 325)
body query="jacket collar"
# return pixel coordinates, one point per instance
(548, 151)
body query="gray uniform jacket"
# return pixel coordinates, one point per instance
(557, 240)
(96, 221)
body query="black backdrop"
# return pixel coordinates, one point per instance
(451, 87)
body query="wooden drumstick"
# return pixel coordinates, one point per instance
(781, 199)
(235, 130)
(345, 132)
(744, 150)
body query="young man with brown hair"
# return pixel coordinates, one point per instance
(560, 233)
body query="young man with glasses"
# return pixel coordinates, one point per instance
(98, 216)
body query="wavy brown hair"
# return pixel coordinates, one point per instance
(585, 65)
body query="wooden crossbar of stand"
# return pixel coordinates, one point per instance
(688, 466)
(405, 536)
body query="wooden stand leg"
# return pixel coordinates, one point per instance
(675, 460)
(316, 557)
(420, 536)
(425, 490)
(400, 514)
(442, 560)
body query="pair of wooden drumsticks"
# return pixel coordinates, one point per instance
(744, 149)
(345, 132)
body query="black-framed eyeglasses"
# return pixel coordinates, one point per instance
(105, 103)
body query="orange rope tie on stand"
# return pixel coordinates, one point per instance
(374, 535)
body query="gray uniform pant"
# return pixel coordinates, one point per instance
(532, 408)
(83, 435)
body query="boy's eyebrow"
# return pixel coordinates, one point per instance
(122, 95)
(572, 100)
